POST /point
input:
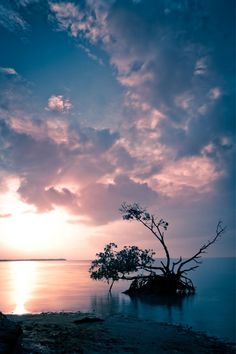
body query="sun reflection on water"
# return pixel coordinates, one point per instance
(24, 275)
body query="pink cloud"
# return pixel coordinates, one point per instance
(102, 201)
(67, 15)
(82, 21)
(63, 197)
(59, 104)
(195, 174)
(135, 79)
(184, 101)
(57, 130)
(27, 126)
(215, 93)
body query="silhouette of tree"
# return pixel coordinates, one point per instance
(169, 277)
(112, 265)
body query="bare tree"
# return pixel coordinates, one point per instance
(169, 277)
(173, 273)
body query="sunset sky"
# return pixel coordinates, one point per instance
(105, 101)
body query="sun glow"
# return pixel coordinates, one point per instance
(27, 231)
(30, 230)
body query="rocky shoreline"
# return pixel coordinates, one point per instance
(70, 333)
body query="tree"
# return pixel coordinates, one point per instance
(170, 277)
(112, 265)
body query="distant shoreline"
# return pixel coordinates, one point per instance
(33, 260)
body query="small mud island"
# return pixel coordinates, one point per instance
(68, 333)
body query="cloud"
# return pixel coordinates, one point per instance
(15, 93)
(75, 173)
(176, 138)
(47, 162)
(89, 22)
(167, 70)
(214, 93)
(57, 175)
(57, 130)
(59, 104)
(12, 20)
(135, 79)
(194, 175)
(26, 3)
(68, 16)
(102, 201)
(90, 54)
(8, 71)
(201, 66)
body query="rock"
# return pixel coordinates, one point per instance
(10, 333)
(88, 320)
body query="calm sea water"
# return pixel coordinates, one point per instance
(66, 286)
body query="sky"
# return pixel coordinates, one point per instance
(107, 101)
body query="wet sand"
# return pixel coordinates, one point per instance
(56, 333)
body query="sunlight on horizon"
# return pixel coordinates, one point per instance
(24, 280)
(32, 234)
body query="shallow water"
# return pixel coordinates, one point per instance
(66, 286)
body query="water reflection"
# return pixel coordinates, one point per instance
(168, 301)
(168, 305)
(23, 276)
(162, 308)
(108, 304)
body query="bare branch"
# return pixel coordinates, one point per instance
(161, 239)
(219, 232)
(164, 266)
(156, 268)
(175, 264)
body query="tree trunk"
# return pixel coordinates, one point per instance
(111, 285)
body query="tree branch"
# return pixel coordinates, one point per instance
(219, 231)
(160, 239)
(175, 264)
(151, 268)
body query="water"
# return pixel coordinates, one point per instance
(66, 286)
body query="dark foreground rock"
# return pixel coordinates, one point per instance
(10, 334)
